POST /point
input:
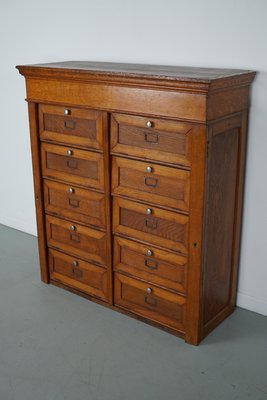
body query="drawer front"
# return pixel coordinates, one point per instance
(78, 274)
(72, 125)
(165, 140)
(150, 264)
(162, 228)
(77, 240)
(72, 165)
(75, 203)
(159, 305)
(165, 186)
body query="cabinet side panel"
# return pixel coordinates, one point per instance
(221, 210)
(37, 179)
(227, 101)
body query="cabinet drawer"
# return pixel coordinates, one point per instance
(149, 301)
(72, 165)
(151, 264)
(78, 274)
(77, 240)
(75, 203)
(165, 140)
(162, 228)
(151, 182)
(72, 125)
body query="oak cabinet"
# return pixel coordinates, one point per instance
(138, 176)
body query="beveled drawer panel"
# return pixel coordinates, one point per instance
(163, 228)
(79, 274)
(165, 140)
(72, 125)
(77, 204)
(149, 301)
(77, 240)
(72, 165)
(159, 267)
(157, 184)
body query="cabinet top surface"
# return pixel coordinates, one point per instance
(175, 73)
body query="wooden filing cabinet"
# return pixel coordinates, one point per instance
(138, 176)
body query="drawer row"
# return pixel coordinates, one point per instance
(144, 261)
(91, 244)
(142, 222)
(156, 184)
(140, 297)
(152, 138)
(140, 272)
(78, 258)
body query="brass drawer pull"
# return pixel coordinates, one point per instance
(151, 182)
(70, 124)
(74, 203)
(151, 137)
(77, 272)
(151, 223)
(75, 238)
(73, 164)
(151, 264)
(150, 299)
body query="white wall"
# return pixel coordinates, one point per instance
(228, 33)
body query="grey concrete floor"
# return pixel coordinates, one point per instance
(55, 345)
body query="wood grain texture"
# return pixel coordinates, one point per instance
(165, 140)
(38, 192)
(155, 155)
(195, 244)
(163, 228)
(227, 152)
(220, 222)
(81, 205)
(84, 276)
(241, 169)
(81, 167)
(159, 305)
(192, 79)
(124, 69)
(79, 127)
(164, 186)
(227, 101)
(82, 241)
(118, 98)
(161, 268)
